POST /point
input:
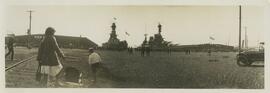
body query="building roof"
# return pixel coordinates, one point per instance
(62, 37)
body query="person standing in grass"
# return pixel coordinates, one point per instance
(143, 50)
(131, 50)
(169, 50)
(10, 46)
(94, 61)
(209, 52)
(48, 59)
(147, 48)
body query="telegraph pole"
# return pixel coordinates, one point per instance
(240, 26)
(246, 38)
(30, 22)
(29, 29)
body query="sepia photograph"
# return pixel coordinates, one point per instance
(135, 46)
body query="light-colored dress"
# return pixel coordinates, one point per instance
(51, 70)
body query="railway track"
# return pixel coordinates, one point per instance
(20, 62)
(23, 73)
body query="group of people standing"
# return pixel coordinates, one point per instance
(50, 66)
(145, 51)
(130, 50)
(187, 51)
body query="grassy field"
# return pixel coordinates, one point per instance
(159, 70)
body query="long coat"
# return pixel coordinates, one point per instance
(49, 51)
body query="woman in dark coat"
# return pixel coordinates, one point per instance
(48, 58)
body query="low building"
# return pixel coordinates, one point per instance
(63, 41)
(204, 48)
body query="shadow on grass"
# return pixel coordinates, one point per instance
(256, 66)
(251, 66)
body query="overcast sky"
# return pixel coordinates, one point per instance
(181, 24)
